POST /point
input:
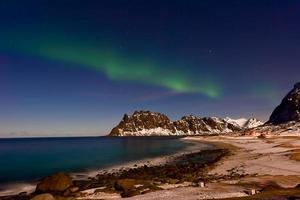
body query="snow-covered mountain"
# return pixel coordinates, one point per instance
(146, 123)
(288, 128)
(285, 119)
(245, 123)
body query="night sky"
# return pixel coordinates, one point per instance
(70, 67)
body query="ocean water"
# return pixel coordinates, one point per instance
(29, 159)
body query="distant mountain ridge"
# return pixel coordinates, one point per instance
(146, 123)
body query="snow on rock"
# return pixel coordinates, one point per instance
(252, 123)
(146, 123)
(245, 123)
(289, 128)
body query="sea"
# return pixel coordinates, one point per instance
(29, 159)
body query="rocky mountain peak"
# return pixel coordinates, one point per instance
(289, 108)
(140, 121)
(297, 85)
(252, 122)
(145, 123)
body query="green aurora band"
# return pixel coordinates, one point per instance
(119, 68)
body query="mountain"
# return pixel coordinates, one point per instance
(143, 122)
(285, 119)
(146, 123)
(288, 128)
(289, 109)
(245, 123)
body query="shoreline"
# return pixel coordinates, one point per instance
(155, 161)
(267, 166)
(14, 188)
(184, 170)
(241, 172)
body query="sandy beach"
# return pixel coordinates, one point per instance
(273, 160)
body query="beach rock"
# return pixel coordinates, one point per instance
(262, 136)
(130, 193)
(46, 196)
(289, 108)
(173, 181)
(125, 184)
(134, 181)
(272, 186)
(146, 123)
(73, 189)
(58, 182)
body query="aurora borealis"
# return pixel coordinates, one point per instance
(119, 68)
(74, 67)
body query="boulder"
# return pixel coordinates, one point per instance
(130, 193)
(43, 197)
(125, 184)
(58, 182)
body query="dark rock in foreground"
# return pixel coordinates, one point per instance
(58, 182)
(144, 179)
(125, 184)
(43, 197)
(289, 109)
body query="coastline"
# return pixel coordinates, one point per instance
(264, 165)
(155, 161)
(28, 187)
(186, 169)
